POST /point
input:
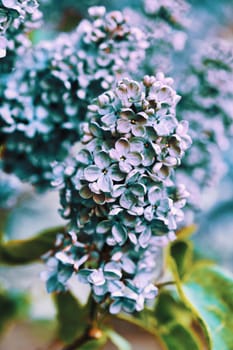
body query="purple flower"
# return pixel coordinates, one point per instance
(102, 173)
(131, 122)
(129, 92)
(127, 159)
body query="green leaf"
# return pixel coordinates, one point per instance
(186, 232)
(13, 305)
(210, 292)
(120, 342)
(174, 326)
(71, 315)
(94, 344)
(28, 250)
(170, 322)
(3, 219)
(182, 252)
(169, 308)
(177, 337)
(174, 269)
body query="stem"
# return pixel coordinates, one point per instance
(86, 335)
(164, 284)
(78, 342)
(92, 330)
(93, 312)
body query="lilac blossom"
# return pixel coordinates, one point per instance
(120, 209)
(166, 24)
(47, 96)
(17, 19)
(207, 103)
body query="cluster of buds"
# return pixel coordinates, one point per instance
(118, 194)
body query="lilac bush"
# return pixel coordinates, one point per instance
(90, 114)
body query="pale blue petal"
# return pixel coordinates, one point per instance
(91, 173)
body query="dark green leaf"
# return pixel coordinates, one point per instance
(174, 326)
(182, 252)
(72, 317)
(94, 344)
(3, 219)
(13, 305)
(170, 322)
(28, 250)
(177, 337)
(169, 308)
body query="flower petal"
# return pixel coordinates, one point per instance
(84, 157)
(138, 189)
(144, 238)
(115, 173)
(123, 126)
(85, 192)
(97, 278)
(122, 146)
(165, 126)
(137, 144)
(109, 119)
(154, 195)
(127, 200)
(138, 130)
(91, 173)
(99, 198)
(105, 183)
(115, 307)
(134, 158)
(125, 167)
(103, 226)
(128, 265)
(119, 234)
(118, 190)
(102, 160)
(112, 270)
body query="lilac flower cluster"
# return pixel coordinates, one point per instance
(110, 47)
(166, 24)
(18, 17)
(118, 193)
(207, 103)
(172, 11)
(47, 96)
(38, 116)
